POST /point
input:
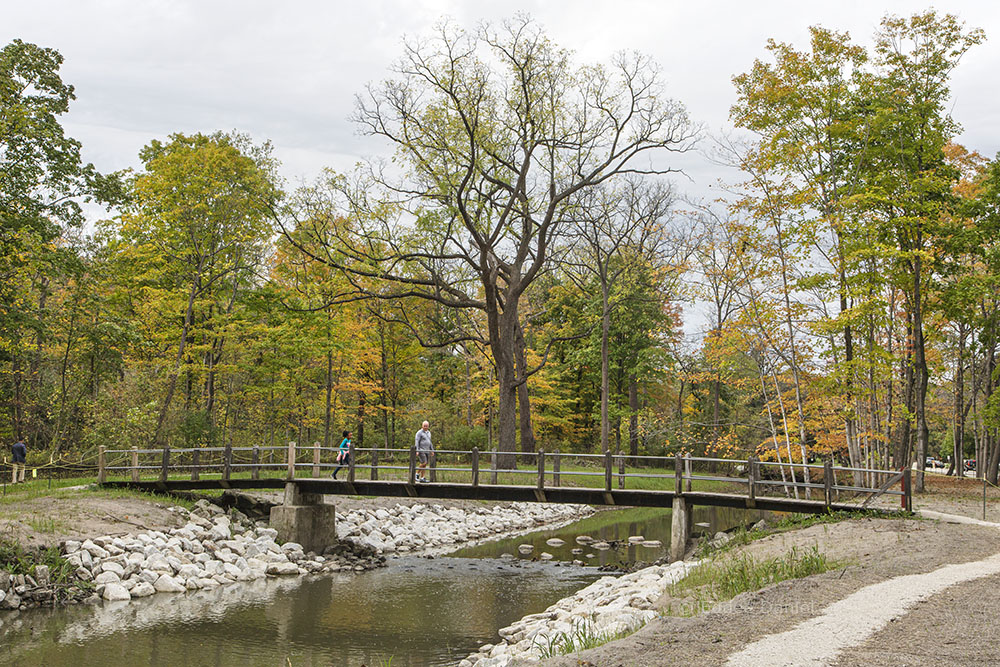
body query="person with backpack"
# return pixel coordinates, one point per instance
(20, 453)
(344, 455)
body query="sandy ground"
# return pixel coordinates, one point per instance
(47, 521)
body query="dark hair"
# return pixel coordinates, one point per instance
(347, 433)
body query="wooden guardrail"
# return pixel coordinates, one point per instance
(749, 478)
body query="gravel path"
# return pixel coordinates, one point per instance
(851, 621)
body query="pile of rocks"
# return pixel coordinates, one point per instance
(609, 606)
(211, 549)
(433, 528)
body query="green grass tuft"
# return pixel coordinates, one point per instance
(721, 579)
(582, 637)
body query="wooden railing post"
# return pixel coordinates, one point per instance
(255, 463)
(101, 465)
(687, 473)
(433, 464)
(827, 484)
(621, 470)
(907, 498)
(227, 461)
(493, 466)
(678, 476)
(350, 463)
(751, 482)
(165, 464)
(608, 468)
(291, 459)
(412, 476)
(475, 466)
(540, 455)
(555, 468)
(316, 453)
(195, 465)
(135, 464)
(374, 474)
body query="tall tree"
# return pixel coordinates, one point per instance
(499, 135)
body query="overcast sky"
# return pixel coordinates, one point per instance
(288, 71)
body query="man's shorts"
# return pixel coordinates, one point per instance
(424, 456)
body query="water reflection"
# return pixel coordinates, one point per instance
(416, 611)
(615, 527)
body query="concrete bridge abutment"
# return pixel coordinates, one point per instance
(680, 527)
(304, 518)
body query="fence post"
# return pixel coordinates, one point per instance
(828, 484)
(687, 473)
(475, 466)
(678, 476)
(135, 464)
(493, 465)
(374, 474)
(165, 465)
(608, 468)
(412, 475)
(751, 482)
(316, 459)
(101, 472)
(907, 498)
(621, 470)
(195, 465)
(433, 464)
(255, 463)
(291, 459)
(227, 461)
(555, 468)
(350, 463)
(540, 455)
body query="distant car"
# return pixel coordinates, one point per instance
(970, 464)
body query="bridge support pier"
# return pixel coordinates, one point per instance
(304, 518)
(680, 527)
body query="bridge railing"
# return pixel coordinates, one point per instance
(680, 474)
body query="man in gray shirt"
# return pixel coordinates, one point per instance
(425, 450)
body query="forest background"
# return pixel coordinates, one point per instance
(516, 273)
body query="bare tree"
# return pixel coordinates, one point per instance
(497, 137)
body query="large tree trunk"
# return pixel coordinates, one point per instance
(958, 449)
(921, 378)
(523, 398)
(605, 390)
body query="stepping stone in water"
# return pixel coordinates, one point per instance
(577, 551)
(526, 549)
(545, 555)
(555, 542)
(584, 539)
(601, 545)
(636, 539)
(652, 544)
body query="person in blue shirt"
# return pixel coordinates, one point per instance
(344, 455)
(20, 453)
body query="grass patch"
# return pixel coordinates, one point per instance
(17, 560)
(45, 524)
(581, 637)
(721, 579)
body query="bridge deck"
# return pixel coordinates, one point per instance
(511, 493)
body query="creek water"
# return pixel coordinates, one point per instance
(414, 612)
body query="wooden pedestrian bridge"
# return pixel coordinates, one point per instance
(679, 482)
